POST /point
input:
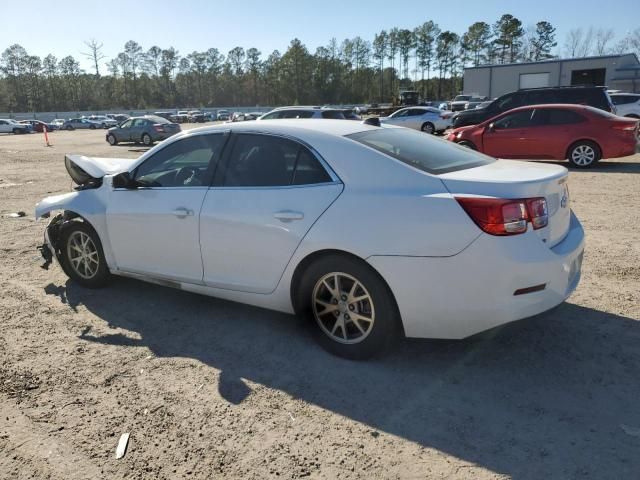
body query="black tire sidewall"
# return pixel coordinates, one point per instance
(387, 320)
(425, 125)
(102, 277)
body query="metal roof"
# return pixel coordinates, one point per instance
(555, 60)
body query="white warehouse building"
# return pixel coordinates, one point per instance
(618, 72)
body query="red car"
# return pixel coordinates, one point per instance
(579, 133)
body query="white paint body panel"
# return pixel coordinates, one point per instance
(449, 279)
(244, 245)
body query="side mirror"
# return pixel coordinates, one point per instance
(491, 127)
(124, 180)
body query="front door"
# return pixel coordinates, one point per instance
(154, 229)
(507, 137)
(263, 202)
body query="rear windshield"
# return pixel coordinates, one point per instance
(157, 119)
(424, 152)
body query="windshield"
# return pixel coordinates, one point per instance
(431, 155)
(461, 98)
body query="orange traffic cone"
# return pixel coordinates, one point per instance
(46, 135)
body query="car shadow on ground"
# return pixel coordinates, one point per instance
(603, 166)
(551, 396)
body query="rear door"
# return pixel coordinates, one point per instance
(509, 136)
(137, 129)
(264, 200)
(552, 131)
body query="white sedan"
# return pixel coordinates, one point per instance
(370, 232)
(425, 119)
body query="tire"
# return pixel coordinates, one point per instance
(584, 154)
(353, 329)
(468, 144)
(16, 131)
(68, 127)
(428, 127)
(111, 138)
(147, 140)
(92, 127)
(80, 235)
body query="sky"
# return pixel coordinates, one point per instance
(61, 27)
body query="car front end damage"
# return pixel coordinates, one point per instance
(50, 249)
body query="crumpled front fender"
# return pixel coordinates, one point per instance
(55, 202)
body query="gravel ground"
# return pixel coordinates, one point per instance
(212, 389)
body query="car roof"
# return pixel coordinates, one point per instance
(568, 106)
(295, 127)
(308, 109)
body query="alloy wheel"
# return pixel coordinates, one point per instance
(83, 255)
(343, 308)
(583, 155)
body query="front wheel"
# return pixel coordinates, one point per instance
(111, 138)
(68, 127)
(16, 131)
(352, 311)
(82, 257)
(92, 127)
(584, 154)
(147, 140)
(428, 127)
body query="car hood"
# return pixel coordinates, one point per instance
(82, 169)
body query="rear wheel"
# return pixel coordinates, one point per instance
(82, 256)
(69, 127)
(111, 138)
(92, 127)
(466, 143)
(428, 127)
(352, 311)
(147, 140)
(584, 154)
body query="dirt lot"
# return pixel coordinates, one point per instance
(211, 389)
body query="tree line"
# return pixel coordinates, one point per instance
(352, 71)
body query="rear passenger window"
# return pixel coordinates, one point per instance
(563, 117)
(309, 170)
(268, 161)
(333, 114)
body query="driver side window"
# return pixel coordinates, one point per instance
(515, 120)
(189, 162)
(126, 124)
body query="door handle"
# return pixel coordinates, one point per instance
(288, 215)
(183, 212)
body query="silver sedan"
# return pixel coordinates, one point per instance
(426, 119)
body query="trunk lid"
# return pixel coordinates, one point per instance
(83, 170)
(513, 179)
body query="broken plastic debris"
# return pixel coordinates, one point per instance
(16, 215)
(122, 445)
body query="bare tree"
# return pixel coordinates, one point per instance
(573, 42)
(603, 37)
(94, 54)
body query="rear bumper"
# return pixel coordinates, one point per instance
(455, 297)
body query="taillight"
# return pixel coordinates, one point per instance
(159, 128)
(498, 216)
(625, 126)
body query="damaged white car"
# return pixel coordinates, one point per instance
(369, 232)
